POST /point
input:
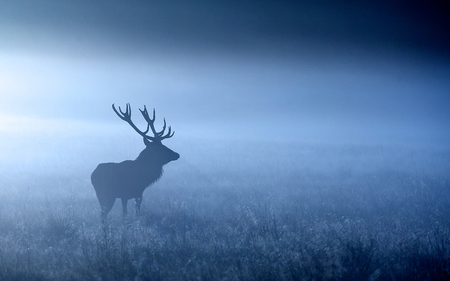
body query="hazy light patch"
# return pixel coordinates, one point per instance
(220, 96)
(32, 126)
(43, 145)
(21, 77)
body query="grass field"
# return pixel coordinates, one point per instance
(247, 212)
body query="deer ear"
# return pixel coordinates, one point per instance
(146, 142)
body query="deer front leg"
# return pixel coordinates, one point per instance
(124, 207)
(137, 202)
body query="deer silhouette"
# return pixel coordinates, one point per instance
(129, 179)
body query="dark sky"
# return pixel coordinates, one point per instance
(310, 70)
(228, 25)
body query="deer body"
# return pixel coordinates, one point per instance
(128, 179)
(113, 179)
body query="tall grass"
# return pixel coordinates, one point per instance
(219, 224)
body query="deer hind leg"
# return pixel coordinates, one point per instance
(138, 202)
(106, 205)
(124, 207)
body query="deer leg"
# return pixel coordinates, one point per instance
(137, 202)
(104, 213)
(124, 207)
(106, 205)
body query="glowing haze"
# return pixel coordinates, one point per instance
(316, 71)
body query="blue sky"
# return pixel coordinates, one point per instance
(315, 71)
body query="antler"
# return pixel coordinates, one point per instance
(157, 136)
(150, 123)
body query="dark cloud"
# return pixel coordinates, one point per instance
(234, 25)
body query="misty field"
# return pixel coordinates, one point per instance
(253, 211)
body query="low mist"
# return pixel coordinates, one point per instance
(313, 139)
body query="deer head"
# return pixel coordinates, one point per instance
(155, 150)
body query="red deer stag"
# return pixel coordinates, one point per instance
(129, 179)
